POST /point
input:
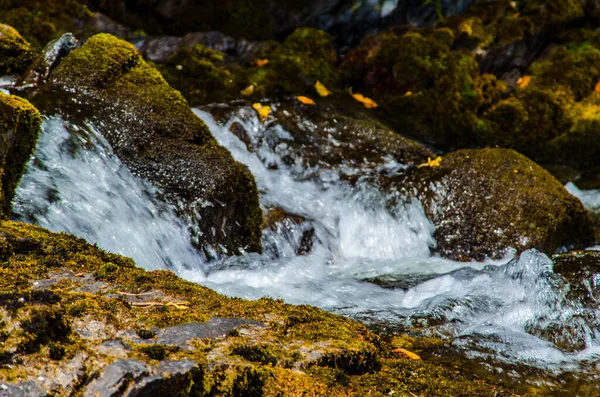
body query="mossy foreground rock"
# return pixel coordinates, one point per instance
(153, 131)
(19, 129)
(79, 321)
(483, 201)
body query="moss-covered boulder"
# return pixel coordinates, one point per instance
(426, 90)
(484, 201)
(78, 320)
(294, 66)
(20, 126)
(15, 52)
(154, 132)
(199, 74)
(40, 21)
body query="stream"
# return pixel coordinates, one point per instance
(515, 310)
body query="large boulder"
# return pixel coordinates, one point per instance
(19, 129)
(78, 320)
(154, 132)
(484, 201)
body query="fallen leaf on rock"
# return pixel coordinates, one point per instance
(523, 81)
(367, 102)
(263, 111)
(305, 100)
(259, 63)
(431, 163)
(321, 89)
(406, 354)
(248, 90)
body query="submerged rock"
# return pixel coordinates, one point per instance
(153, 131)
(484, 201)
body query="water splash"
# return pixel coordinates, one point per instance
(74, 183)
(331, 236)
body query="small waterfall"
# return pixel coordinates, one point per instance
(74, 183)
(328, 237)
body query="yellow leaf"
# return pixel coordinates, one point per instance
(597, 88)
(406, 354)
(431, 163)
(263, 111)
(367, 102)
(408, 93)
(259, 63)
(248, 90)
(305, 100)
(523, 81)
(321, 89)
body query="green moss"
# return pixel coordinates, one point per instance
(197, 73)
(306, 55)
(16, 54)
(529, 120)
(574, 67)
(20, 125)
(260, 353)
(44, 325)
(580, 145)
(426, 89)
(40, 21)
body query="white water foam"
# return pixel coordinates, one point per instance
(74, 183)
(515, 312)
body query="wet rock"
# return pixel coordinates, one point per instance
(484, 201)
(22, 389)
(152, 130)
(159, 49)
(214, 328)
(117, 378)
(51, 56)
(582, 270)
(170, 377)
(15, 52)
(20, 125)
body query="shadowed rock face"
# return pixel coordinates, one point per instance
(153, 131)
(484, 201)
(20, 126)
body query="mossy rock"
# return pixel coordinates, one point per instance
(40, 21)
(484, 201)
(580, 145)
(574, 67)
(152, 129)
(198, 73)
(20, 125)
(529, 120)
(89, 335)
(294, 66)
(426, 90)
(15, 52)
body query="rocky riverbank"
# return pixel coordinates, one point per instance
(458, 93)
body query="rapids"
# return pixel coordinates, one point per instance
(515, 310)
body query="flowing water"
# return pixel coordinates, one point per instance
(336, 236)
